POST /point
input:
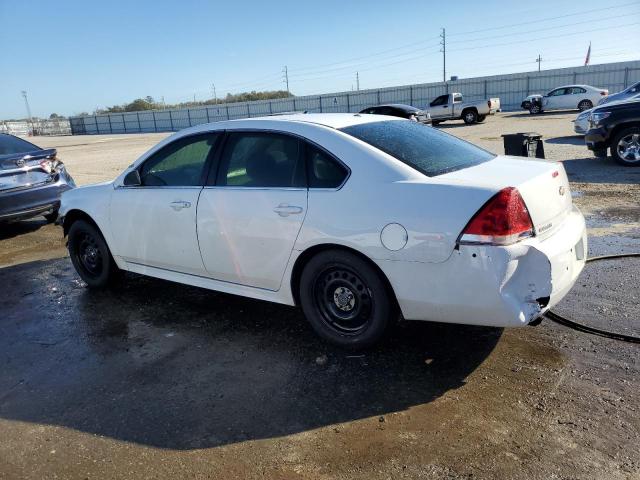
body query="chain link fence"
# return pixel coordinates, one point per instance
(511, 89)
(37, 127)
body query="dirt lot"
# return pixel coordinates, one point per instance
(158, 380)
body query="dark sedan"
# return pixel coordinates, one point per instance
(400, 110)
(31, 180)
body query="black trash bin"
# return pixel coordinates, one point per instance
(523, 144)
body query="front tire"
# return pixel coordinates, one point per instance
(90, 255)
(625, 148)
(535, 109)
(585, 105)
(345, 299)
(470, 117)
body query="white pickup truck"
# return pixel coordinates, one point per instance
(453, 107)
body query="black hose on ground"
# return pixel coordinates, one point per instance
(587, 329)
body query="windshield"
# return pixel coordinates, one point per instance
(424, 148)
(11, 145)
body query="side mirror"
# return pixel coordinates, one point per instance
(132, 179)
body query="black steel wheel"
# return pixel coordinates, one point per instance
(345, 299)
(90, 255)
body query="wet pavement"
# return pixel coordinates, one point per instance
(152, 379)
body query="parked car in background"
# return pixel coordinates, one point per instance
(581, 123)
(569, 97)
(31, 180)
(616, 126)
(400, 110)
(356, 218)
(453, 107)
(625, 94)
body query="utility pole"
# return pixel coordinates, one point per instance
(285, 78)
(357, 81)
(443, 43)
(539, 60)
(213, 89)
(26, 102)
(194, 98)
(164, 105)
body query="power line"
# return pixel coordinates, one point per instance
(536, 30)
(543, 38)
(538, 20)
(382, 52)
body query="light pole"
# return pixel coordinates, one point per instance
(26, 102)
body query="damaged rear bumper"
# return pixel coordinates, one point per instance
(503, 286)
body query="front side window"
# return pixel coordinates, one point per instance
(256, 159)
(441, 100)
(559, 91)
(423, 148)
(179, 164)
(322, 170)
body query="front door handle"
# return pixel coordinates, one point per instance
(179, 205)
(284, 209)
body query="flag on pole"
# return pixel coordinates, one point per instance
(586, 60)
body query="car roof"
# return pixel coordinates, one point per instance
(331, 120)
(401, 106)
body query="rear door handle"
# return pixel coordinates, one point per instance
(284, 210)
(179, 205)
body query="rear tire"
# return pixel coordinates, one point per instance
(481, 118)
(585, 105)
(625, 148)
(470, 116)
(90, 255)
(345, 299)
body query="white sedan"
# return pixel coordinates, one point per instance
(569, 97)
(356, 218)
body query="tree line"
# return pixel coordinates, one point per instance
(149, 103)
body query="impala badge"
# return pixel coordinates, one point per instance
(561, 190)
(20, 162)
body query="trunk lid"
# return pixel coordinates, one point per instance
(543, 185)
(23, 170)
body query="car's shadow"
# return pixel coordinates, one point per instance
(569, 140)
(600, 170)
(551, 113)
(178, 367)
(14, 229)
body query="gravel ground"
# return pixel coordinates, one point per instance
(157, 380)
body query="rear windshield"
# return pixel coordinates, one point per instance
(11, 145)
(424, 148)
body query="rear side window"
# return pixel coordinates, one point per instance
(256, 159)
(179, 164)
(322, 170)
(424, 148)
(10, 145)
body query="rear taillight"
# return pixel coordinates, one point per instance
(503, 220)
(603, 93)
(489, 103)
(47, 165)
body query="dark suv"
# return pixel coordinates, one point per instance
(616, 126)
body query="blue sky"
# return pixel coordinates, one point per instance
(73, 56)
